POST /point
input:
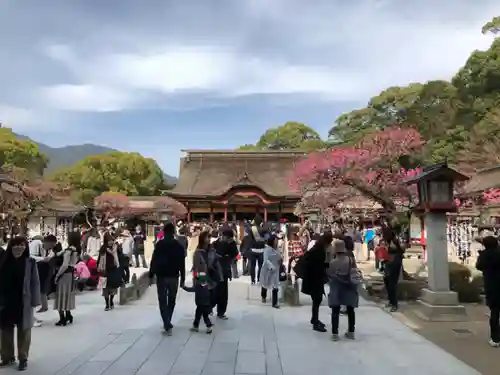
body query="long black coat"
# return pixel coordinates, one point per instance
(314, 269)
(489, 263)
(227, 252)
(113, 273)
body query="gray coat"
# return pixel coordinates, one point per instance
(31, 293)
(270, 272)
(342, 291)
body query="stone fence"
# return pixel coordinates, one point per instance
(136, 288)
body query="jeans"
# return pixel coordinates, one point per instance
(256, 259)
(316, 298)
(234, 270)
(245, 265)
(202, 313)
(167, 293)
(495, 324)
(142, 258)
(221, 297)
(391, 287)
(126, 269)
(274, 297)
(351, 319)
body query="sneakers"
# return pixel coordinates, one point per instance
(197, 329)
(494, 344)
(23, 365)
(168, 331)
(276, 306)
(349, 335)
(319, 327)
(222, 317)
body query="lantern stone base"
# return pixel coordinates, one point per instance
(440, 307)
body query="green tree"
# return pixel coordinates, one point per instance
(492, 26)
(455, 118)
(128, 173)
(482, 148)
(290, 136)
(20, 154)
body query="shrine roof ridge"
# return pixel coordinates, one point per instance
(250, 153)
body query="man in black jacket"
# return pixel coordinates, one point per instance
(167, 264)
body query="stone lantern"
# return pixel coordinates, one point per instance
(435, 186)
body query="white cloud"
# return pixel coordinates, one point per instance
(333, 51)
(16, 117)
(83, 98)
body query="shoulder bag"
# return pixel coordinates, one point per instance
(355, 274)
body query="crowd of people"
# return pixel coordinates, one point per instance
(31, 271)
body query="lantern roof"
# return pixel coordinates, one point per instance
(437, 171)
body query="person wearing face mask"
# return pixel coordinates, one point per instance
(108, 265)
(139, 243)
(19, 295)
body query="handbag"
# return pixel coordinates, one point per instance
(355, 274)
(282, 276)
(103, 283)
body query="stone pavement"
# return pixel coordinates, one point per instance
(256, 340)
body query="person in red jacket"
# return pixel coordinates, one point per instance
(91, 263)
(381, 255)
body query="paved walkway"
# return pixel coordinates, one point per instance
(255, 340)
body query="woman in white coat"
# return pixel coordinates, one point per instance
(270, 273)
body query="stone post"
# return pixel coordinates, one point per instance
(438, 302)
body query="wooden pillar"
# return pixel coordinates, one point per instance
(211, 214)
(189, 216)
(265, 214)
(225, 213)
(234, 213)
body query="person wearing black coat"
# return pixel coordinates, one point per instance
(392, 271)
(488, 262)
(227, 252)
(108, 265)
(245, 250)
(314, 266)
(168, 265)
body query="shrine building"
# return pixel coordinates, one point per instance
(231, 185)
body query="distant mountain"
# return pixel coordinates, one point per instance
(69, 155)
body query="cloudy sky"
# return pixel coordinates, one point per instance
(158, 76)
